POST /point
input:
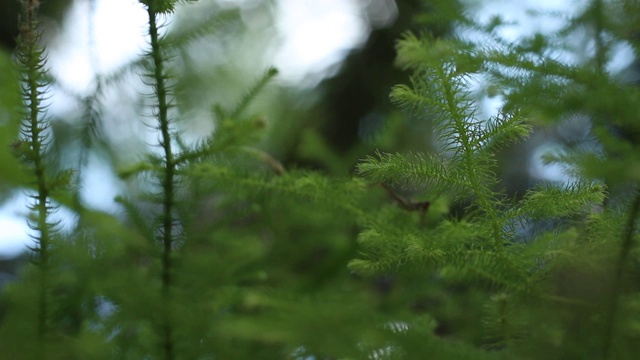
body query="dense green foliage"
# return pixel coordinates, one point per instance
(226, 253)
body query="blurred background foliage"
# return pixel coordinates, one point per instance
(292, 259)
(232, 42)
(327, 127)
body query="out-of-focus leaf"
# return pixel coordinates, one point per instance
(10, 171)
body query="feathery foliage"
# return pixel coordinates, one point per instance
(222, 250)
(551, 283)
(31, 148)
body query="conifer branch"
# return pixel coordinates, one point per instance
(166, 232)
(194, 31)
(478, 170)
(306, 186)
(35, 137)
(273, 163)
(404, 203)
(553, 202)
(268, 75)
(213, 226)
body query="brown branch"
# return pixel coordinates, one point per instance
(404, 203)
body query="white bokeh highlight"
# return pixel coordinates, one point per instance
(315, 36)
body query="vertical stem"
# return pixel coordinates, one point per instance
(167, 182)
(31, 58)
(616, 287)
(458, 119)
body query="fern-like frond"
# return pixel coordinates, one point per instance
(423, 53)
(32, 149)
(265, 79)
(502, 130)
(428, 172)
(388, 248)
(559, 201)
(233, 132)
(497, 269)
(444, 98)
(306, 186)
(502, 323)
(193, 31)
